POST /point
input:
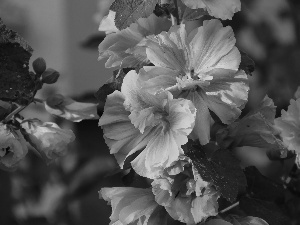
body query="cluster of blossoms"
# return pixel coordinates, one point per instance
(46, 139)
(193, 80)
(185, 87)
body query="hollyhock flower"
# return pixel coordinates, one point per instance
(48, 138)
(69, 109)
(289, 126)
(185, 196)
(133, 206)
(223, 9)
(121, 47)
(201, 66)
(134, 119)
(12, 147)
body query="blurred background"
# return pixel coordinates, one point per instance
(65, 33)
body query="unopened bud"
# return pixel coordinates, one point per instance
(50, 76)
(39, 66)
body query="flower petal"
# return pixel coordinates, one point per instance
(213, 47)
(115, 45)
(154, 78)
(201, 129)
(130, 204)
(223, 9)
(225, 96)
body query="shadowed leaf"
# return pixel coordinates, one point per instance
(222, 169)
(16, 83)
(129, 11)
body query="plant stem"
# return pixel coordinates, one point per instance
(17, 110)
(229, 207)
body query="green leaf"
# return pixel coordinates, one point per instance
(129, 11)
(267, 211)
(222, 169)
(16, 83)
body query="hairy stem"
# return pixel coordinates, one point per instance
(230, 207)
(17, 110)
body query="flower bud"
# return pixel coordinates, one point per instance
(48, 138)
(39, 65)
(50, 76)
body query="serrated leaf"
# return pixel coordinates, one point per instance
(16, 83)
(247, 64)
(222, 169)
(129, 11)
(267, 211)
(262, 187)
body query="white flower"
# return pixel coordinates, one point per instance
(289, 126)
(133, 206)
(201, 66)
(121, 47)
(48, 138)
(69, 109)
(136, 120)
(223, 9)
(185, 196)
(12, 146)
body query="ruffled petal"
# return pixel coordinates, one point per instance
(227, 95)
(203, 207)
(213, 47)
(154, 78)
(160, 152)
(161, 188)
(131, 204)
(181, 210)
(223, 9)
(288, 125)
(120, 134)
(201, 129)
(119, 47)
(169, 49)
